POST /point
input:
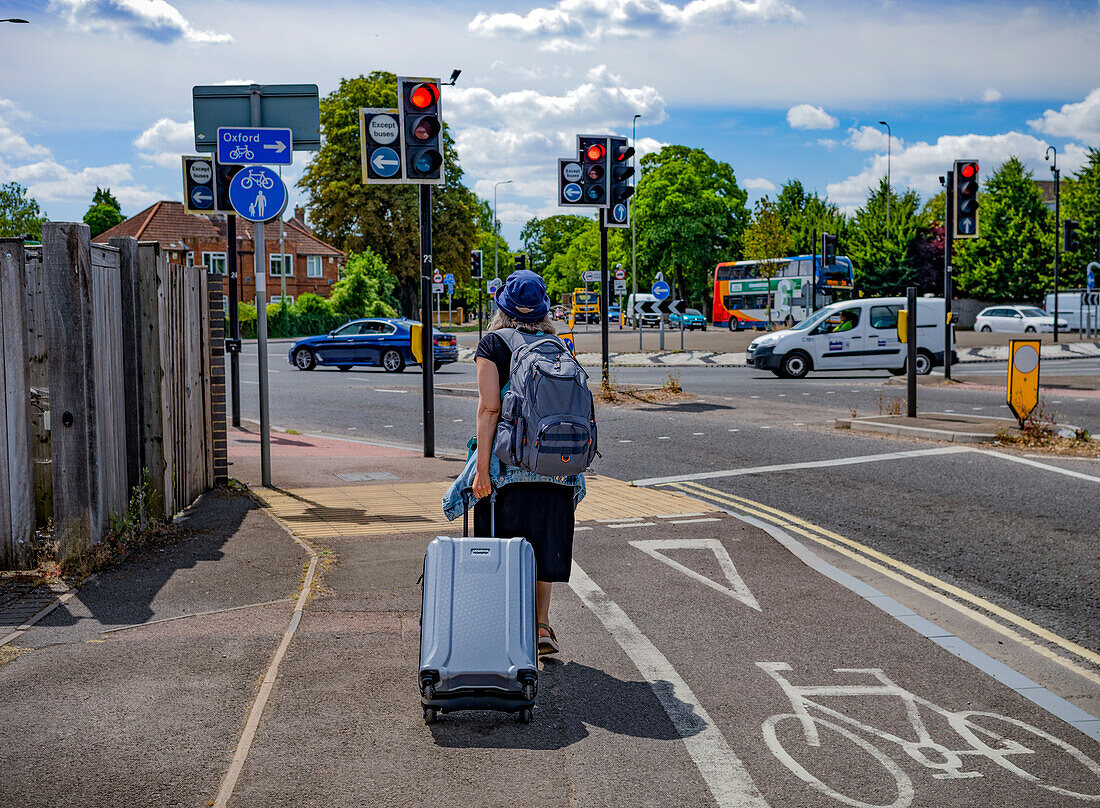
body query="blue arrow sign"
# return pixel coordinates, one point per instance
(660, 290)
(254, 145)
(449, 278)
(571, 192)
(1090, 280)
(257, 193)
(618, 213)
(385, 162)
(202, 198)
(966, 226)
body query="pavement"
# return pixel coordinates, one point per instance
(935, 425)
(249, 666)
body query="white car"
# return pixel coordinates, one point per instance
(1016, 320)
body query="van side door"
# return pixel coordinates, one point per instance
(883, 348)
(838, 342)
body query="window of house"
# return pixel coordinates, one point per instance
(313, 267)
(276, 299)
(215, 262)
(282, 262)
(190, 258)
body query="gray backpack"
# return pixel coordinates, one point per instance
(547, 416)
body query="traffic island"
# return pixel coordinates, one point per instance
(936, 426)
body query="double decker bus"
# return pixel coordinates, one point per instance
(742, 294)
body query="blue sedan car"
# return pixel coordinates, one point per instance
(377, 341)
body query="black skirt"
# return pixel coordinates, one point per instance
(542, 513)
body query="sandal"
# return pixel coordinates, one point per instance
(547, 645)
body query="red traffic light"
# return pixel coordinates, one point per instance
(968, 170)
(423, 96)
(594, 152)
(425, 128)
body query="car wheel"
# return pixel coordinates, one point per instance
(924, 363)
(896, 371)
(1029, 330)
(795, 365)
(733, 323)
(392, 361)
(344, 367)
(304, 360)
(986, 329)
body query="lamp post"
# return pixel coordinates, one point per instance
(1057, 213)
(496, 265)
(889, 139)
(633, 237)
(16, 19)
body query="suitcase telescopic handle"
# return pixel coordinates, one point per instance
(468, 492)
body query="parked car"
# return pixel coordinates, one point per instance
(693, 318)
(852, 335)
(1016, 320)
(377, 341)
(558, 312)
(613, 313)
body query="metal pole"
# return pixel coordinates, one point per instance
(282, 255)
(427, 354)
(259, 256)
(1057, 238)
(605, 303)
(948, 281)
(234, 318)
(683, 297)
(811, 298)
(911, 360)
(635, 317)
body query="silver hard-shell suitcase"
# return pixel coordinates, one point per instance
(478, 639)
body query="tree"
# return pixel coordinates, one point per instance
(882, 251)
(385, 218)
(104, 213)
(765, 239)
(545, 238)
(19, 213)
(690, 215)
(1013, 257)
(1081, 202)
(365, 288)
(802, 213)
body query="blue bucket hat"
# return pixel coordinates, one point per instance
(523, 297)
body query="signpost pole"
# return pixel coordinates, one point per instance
(811, 298)
(1057, 236)
(427, 364)
(605, 304)
(948, 284)
(234, 321)
(911, 354)
(680, 283)
(259, 255)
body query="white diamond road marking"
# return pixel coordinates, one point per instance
(736, 589)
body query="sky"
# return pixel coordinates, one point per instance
(98, 92)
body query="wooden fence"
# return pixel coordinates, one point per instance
(110, 365)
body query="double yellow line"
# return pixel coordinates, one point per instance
(979, 609)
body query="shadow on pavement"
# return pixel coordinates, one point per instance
(571, 698)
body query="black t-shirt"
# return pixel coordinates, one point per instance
(494, 348)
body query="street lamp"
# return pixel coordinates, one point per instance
(16, 19)
(454, 77)
(496, 265)
(1057, 212)
(633, 237)
(889, 138)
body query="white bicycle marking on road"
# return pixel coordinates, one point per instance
(946, 763)
(737, 588)
(725, 775)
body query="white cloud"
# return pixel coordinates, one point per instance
(828, 142)
(1080, 120)
(569, 20)
(992, 96)
(561, 45)
(868, 138)
(920, 165)
(805, 116)
(155, 20)
(758, 184)
(164, 142)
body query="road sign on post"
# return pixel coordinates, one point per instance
(1023, 377)
(255, 145)
(258, 194)
(660, 289)
(495, 284)
(380, 147)
(288, 106)
(591, 276)
(199, 191)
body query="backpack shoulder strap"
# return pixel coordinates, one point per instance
(516, 339)
(512, 337)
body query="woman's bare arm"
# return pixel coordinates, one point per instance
(488, 413)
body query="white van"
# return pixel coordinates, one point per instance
(653, 320)
(852, 335)
(1069, 310)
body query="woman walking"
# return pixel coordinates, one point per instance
(531, 505)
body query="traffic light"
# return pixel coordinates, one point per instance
(622, 172)
(1070, 239)
(828, 250)
(223, 175)
(595, 178)
(198, 185)
(422, 130)
(520, 262)
(475, 265)
(966, 199)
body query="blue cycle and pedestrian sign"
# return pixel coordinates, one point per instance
(257, 194)
(660, 290)
(254, 145)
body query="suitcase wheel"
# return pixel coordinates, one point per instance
(525, 715)
(529, 691)
(429, 715)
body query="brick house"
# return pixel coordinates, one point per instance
(311, 265)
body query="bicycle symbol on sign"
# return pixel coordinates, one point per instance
(242, 152)
(257, 178)
(1007, 742)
